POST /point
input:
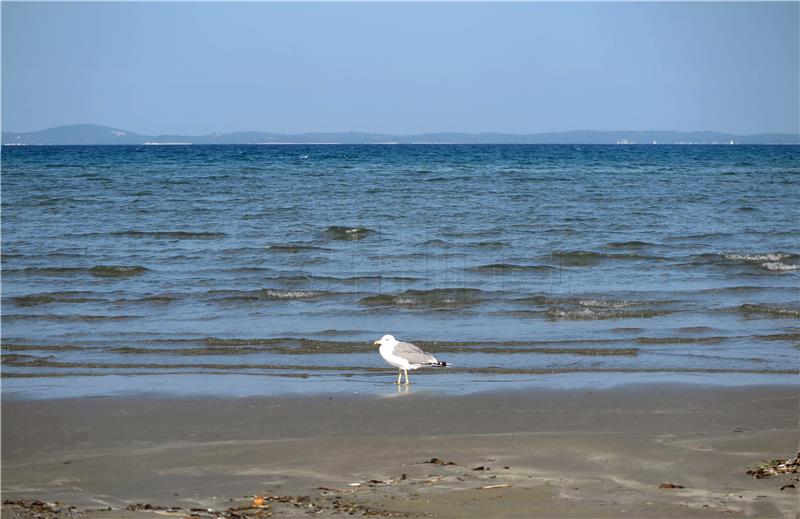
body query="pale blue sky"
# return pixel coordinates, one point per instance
(401, 68)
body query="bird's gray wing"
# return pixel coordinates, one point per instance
(413, 354)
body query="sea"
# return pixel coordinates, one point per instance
(271, 269)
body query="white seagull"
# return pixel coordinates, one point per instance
(405, 356)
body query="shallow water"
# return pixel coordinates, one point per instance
(506, 261)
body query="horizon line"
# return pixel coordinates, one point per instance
(401, 134)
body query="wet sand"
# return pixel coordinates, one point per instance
(550, 453)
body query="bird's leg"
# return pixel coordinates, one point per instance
(399, 374)
(406, 372)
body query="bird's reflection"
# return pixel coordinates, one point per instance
(398, 391)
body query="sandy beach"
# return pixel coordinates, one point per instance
(539, 453)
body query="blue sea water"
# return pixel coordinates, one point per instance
(279, 265)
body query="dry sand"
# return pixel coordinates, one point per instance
(553, 453)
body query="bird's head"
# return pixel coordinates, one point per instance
(386, 339)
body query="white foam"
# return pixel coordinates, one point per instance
(769, 256)
(290, 294)
(605, 303)
(779, 267)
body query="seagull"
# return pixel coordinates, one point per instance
(404, 356)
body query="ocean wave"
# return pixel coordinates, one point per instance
(770, 261)
(588, 258)
(681, 340)
(348, 233)
(157, 299)
(510, 267)
(251, 269)
(479, 233)
(695, 329)
(67, 317)
(356, 280)
(589, 314)
(587, 302)
(423, 255)
(301, 279)
(309, 279)
(749, 309)
(634, 244)
(494, 245)
(434, 298)
(626, 330)
(309, 347)
(55, 297)
(117, 271)
(41, 347)
(97, 271)
(212, 346)
(734, 290)
(293, 248)
(777, 266)
(593, 308)
(489, 245)
(171, 235)
(47, 271)
(435, 243)
(700, 236)
(268, 294)
(768, 256)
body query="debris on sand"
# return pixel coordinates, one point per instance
(439, 461)
(260, 507)
(670, 485)
(40, 508)
(774, 467)
(154, 508)
(499, 485)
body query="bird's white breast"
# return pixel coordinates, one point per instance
(387, 352)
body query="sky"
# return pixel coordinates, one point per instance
(198, 68)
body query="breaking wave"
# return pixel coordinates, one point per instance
(348, 233)
(591, 309)
(777, 266)
(268, 294)
(435, 298)
(591, 314)
(766, 261)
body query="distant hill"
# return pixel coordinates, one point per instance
(95, 134)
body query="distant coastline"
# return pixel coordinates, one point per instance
(90, 134)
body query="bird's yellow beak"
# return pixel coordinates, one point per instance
(376, 343)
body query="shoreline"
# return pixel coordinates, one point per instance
(600, 452)
(244, 385)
